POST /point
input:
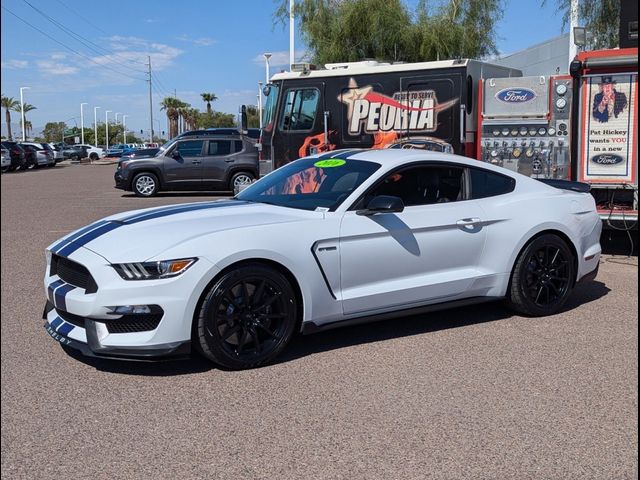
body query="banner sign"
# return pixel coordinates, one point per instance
(610, 122)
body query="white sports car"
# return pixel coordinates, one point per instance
(324, 241)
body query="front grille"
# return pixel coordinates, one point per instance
(134, 323)
(76, 320)
(73, 273)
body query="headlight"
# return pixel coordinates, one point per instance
(153, 270)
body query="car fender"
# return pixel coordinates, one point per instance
(146, 167)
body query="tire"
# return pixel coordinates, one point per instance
(240, 178)
(543, 277)
(247, 318)
(93, 156)
(145, 184)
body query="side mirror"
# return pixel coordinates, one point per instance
(176, 154)
(382, 204)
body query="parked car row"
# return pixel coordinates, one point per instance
(26, 156)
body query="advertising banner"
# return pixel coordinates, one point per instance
(609, 129)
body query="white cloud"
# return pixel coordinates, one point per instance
(134, 49)
(49, 67)
(200, 42)
(280, 58)
(14, 64)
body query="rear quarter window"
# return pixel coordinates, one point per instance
(489, 184)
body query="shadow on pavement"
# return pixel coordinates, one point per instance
(221, 194)
(303, 346)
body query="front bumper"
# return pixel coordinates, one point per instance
(81, 318)
(59, 330)
(121, 179)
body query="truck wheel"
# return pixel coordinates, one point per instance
(145, 184)
(543, 277)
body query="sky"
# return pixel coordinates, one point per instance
(96, 52)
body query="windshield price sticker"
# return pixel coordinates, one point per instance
(333, 162)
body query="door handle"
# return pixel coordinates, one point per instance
(465, 222)
(230, 160)
(195, 161)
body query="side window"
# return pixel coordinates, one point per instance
(190, 148)
(489, 184)
(238, 146)
(300, 109)
(424, 185)
(219, 147)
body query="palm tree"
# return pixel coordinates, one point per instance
(27, 108)
(208, 98)
(191, 118)
(183, 107)
(28, 127)
(8, 103)
(171, 105)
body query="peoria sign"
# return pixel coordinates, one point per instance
(374, 112)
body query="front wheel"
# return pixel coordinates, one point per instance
(145, 184)
(543, 277)
(247, 318)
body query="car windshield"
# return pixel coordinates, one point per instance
(310, 183)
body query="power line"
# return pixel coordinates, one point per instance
(68, 47)
(159, 82)
(87, 43)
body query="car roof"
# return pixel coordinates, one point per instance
(393, 158)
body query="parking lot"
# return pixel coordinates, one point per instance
(474, 392)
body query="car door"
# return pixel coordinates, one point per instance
(183, 164)
(427, 253)
(217, 161)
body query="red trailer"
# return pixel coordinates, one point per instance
(604, 131)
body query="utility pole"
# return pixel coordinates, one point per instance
(291, 34)
(95, 126)
(124, 128)
(150, 101)
(106, 128)
(82, 122)
(573, 22)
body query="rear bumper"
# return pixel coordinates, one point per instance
(93, 347)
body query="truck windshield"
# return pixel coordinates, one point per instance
(269, 112)
(310, 183)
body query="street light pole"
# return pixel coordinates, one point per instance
(95, 126)
(22, 112)
(260, 102)
(267, 56)
(124, 128)
(82, 122)
(117, 113)
(106, 126)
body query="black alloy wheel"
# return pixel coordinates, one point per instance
(543, 277)
(247, 318)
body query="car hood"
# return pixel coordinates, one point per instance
(143, 234)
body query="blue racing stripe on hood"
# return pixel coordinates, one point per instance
(76, 235)
(110, 225)
(61, 294)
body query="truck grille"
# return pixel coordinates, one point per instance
(73, 273)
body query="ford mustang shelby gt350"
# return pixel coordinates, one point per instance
(327, 240)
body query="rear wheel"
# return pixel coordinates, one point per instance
(240, 180)
(93, 156)
(543, 277)
(145, 184)
(247, 318)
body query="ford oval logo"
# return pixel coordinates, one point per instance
(607, 159)
(516, 95)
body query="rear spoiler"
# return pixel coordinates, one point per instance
(566, 185)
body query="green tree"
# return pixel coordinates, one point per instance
(601, 17)
(170, 106)
(27, 108)
(387, 30)
(8, 103)
(253, 118)
(216, 120)
(209, 98)
(53, 131)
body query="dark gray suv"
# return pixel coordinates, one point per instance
(222, 159)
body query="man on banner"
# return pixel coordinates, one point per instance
(608, 101)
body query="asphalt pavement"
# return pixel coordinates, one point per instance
(471, 393)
